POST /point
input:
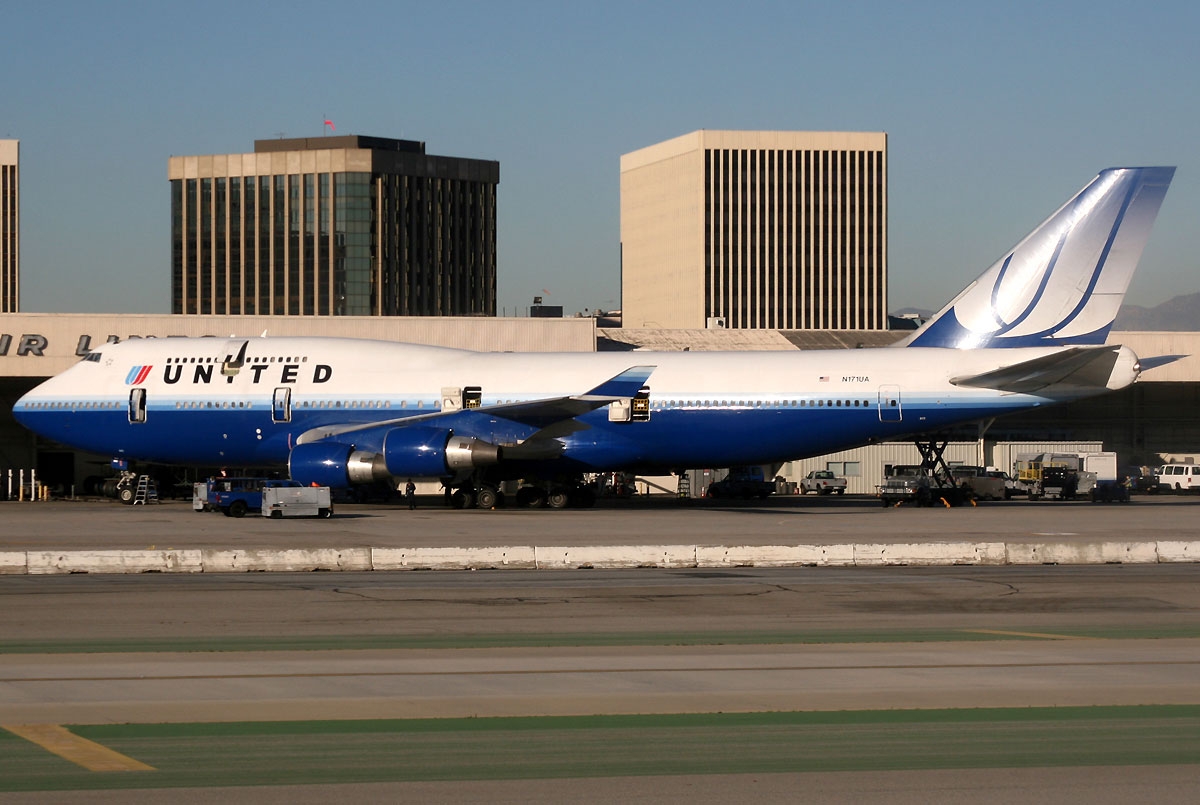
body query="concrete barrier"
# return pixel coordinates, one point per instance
(13, 562)
(617, 556)
(286, 561)
(520, 557)
(1173, 551)
(930, 553)
(1081, 553)
(757, 555)
(115, 561)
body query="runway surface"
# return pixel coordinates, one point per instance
(807, 520)
(650, 641)
(90, 649)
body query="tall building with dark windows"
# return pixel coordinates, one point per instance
(333, 226)
(781, 230)
(10, 226)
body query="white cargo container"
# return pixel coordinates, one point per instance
(296, 501)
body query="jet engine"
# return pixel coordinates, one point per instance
(406, 452)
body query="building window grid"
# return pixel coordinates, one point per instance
(306, 262)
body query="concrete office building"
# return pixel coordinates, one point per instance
(333, 226)
(10, 226)
(781, 230)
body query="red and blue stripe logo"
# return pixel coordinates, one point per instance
(137, 374)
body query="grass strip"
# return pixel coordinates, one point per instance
(317, 752)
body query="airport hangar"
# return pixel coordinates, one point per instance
(1151, 422)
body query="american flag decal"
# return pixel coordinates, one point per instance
(137, 374)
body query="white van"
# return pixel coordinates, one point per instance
(1179, 477)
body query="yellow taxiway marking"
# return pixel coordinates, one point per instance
(1030, 634)
(64, 743)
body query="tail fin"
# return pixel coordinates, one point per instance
(1063, 284)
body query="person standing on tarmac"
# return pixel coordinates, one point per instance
(410, 494)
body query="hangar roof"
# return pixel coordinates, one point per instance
(43, 344)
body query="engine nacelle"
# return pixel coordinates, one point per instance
(407, 452)
(335, 465)
(430, 452)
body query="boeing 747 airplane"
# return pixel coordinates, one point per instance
(341, 412)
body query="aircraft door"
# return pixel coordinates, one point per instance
(281, 405)
(890, 409)
(137, 406)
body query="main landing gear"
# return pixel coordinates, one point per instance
(529, 495)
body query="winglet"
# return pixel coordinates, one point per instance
(1063, 284)
(625, 385)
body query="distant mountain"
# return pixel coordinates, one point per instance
(1182, 313)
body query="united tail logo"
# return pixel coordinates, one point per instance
(137, 374)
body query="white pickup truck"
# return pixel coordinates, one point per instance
(823, 482)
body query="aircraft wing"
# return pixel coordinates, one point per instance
(541, 413)
(1088, 367)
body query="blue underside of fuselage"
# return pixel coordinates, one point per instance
(671, 439)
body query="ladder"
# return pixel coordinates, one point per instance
(147, 491)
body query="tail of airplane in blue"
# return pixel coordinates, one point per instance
(1064, 283)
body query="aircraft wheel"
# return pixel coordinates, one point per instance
(558, 499)
(530, 497)
(487, 498)
(462, 499)
(237, 508)
(125, 495)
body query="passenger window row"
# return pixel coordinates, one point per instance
(767, 404)
(302, 359)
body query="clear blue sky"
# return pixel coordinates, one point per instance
(995, 112)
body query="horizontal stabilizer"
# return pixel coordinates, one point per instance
(1087, 367)
(1145, 364)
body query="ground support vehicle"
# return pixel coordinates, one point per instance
(984, 484)
(907, 484)
(1110, 492)
(1063, 476)
(925, 484)
(233, 497)
(1059, 483)
(296, 501)
(823, 482)
(742, 482)
(1178, 477)
(201, 492)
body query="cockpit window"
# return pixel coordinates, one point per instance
(92, 357)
